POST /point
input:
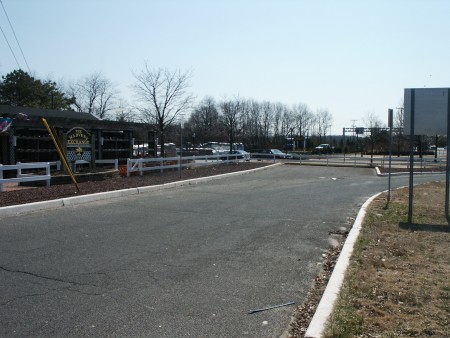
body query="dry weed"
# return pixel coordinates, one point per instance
(398, 283)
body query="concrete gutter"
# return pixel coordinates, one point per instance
(77, 200)
(318, 323)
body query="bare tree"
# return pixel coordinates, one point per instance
(204, 120)
(323, 121)
(371, 120)
(253, 127)
(278, 109)
(377, 136)
(125, 113)
(287, 122)
(94, 94)
(399, 116)
(230, 110)
(398, 128)
(303, 118)
(267, 119)
(164, 97)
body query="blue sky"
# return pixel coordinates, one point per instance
(350, 57)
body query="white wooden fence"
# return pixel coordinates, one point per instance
(29, 176)
(141, 165)
(25, 177)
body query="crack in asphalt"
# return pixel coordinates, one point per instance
(54, 279)
(15, 299)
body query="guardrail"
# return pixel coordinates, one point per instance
(141, 165)
(426, 162)
(25, 177)
(334, 160)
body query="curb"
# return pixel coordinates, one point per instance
(403, 173)
(77, 200)
(317, 325)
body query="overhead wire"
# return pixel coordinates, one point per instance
(15, 36)
(12, 52)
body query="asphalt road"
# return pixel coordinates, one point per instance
(186, 262)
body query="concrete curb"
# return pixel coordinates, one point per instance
(317, 325)
(77, 200)
(30, 207)
(377, 169)
(403, 173)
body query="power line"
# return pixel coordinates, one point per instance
(15, 36)
(12, 52)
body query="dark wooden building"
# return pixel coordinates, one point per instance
(24, 136)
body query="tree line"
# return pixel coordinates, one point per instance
(163, 101)
(257, 124)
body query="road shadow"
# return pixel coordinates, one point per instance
(425, 227)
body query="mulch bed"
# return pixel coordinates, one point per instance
(107, 182)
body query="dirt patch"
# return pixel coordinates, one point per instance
(304, 312)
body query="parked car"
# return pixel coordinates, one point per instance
(323, 148)
(271, 153)
(236, 154)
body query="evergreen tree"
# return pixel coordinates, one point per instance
(18, 88)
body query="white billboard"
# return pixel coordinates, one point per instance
(431, 108)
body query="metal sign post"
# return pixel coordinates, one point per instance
(411, 159)
(447, 174)
(390, 122)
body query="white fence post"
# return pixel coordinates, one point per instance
(47, 172)
(140, 166)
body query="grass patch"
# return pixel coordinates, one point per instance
(397, 284)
